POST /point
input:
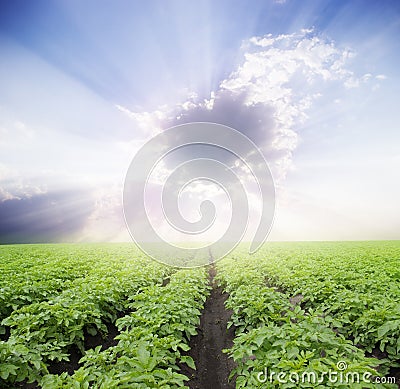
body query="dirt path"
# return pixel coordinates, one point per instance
(213, 366)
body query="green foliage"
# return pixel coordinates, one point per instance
(44, 330)
(151, 341)
(296, 307)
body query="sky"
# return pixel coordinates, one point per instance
(314, 84)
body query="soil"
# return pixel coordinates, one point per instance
(58, 367)
(91, 341)
(393, 372)
(213, 366)
(25, 385)
(4, 337)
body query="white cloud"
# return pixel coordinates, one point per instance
(146, 122)
(288, 73)
(6, 195)
(366, 77)
(274, 88)
(14, 186)
(270, 95)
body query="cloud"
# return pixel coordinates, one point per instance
(254, 120)
(49, 217)
(268, 96)
(31, 212)
(13, 186)
(146, 122)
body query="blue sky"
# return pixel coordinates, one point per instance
(84, 84)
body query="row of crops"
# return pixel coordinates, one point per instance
(305, 315)
(318, 314)
(63, 293)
